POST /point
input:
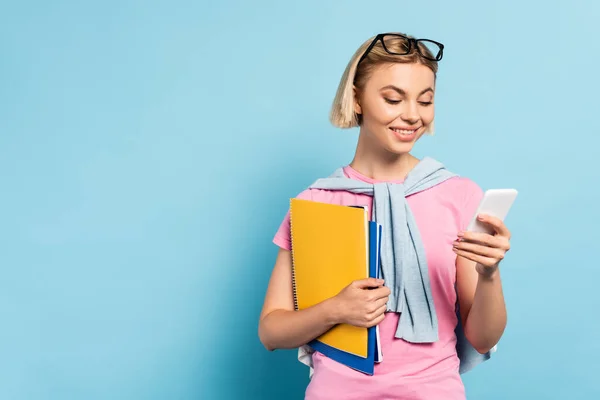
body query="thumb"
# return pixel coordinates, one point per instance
(368, 283)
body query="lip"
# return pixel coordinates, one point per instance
(405, 128)
(405, 138)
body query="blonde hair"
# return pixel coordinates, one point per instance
(342, 113)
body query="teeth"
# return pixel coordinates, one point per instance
(404, 131)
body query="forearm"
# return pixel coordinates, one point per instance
(283, 329)
(487, 317)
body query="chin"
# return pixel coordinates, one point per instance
(400, 148)
(397, 146)
(404, 150)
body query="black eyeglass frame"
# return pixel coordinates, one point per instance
(410, 41)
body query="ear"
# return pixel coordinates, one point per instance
(357, 107)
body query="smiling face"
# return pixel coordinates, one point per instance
(396, 105)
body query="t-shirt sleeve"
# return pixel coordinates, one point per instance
(472, 195)
(282, 236)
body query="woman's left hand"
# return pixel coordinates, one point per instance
(485, 249)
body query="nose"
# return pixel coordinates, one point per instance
(410, 114)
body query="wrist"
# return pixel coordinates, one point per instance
(488, 274)
(333, 311)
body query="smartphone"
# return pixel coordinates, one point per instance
(495, 202)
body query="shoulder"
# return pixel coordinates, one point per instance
(467, 195)
(462, 194)
(306, 194)
(324, 195)
(467, 186)
(461, 188)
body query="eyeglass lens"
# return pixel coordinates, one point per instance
(400, 45)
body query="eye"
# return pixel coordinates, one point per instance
(390, 101)
(426, 103)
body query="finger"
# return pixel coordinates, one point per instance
(381, 310)
(379, 293)
(479, 249)
(377, 304)
(375, 309)
(382, 302)
(376, 321)
(487, 261)
(376, 313)
(368, 283)
(495, 223)
(499, 242)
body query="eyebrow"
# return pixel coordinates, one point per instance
(402, 92)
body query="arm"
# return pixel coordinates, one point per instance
(482, 307)
(280, 326)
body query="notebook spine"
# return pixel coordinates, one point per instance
(293, 267)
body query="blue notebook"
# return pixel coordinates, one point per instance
(378, 352)
(365, 365)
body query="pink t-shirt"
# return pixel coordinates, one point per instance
(408, 371)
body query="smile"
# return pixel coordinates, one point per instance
(405, 135)
(405, 131)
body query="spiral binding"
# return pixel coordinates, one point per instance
(293, 269)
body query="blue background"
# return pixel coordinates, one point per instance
(148, 151)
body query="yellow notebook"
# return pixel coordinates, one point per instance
(329, 250)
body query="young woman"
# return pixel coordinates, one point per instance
(388, 91)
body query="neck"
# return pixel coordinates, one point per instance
(380, 164)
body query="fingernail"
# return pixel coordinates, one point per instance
(461, 234)
(481, 216)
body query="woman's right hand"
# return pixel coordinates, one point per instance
(362, 303)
